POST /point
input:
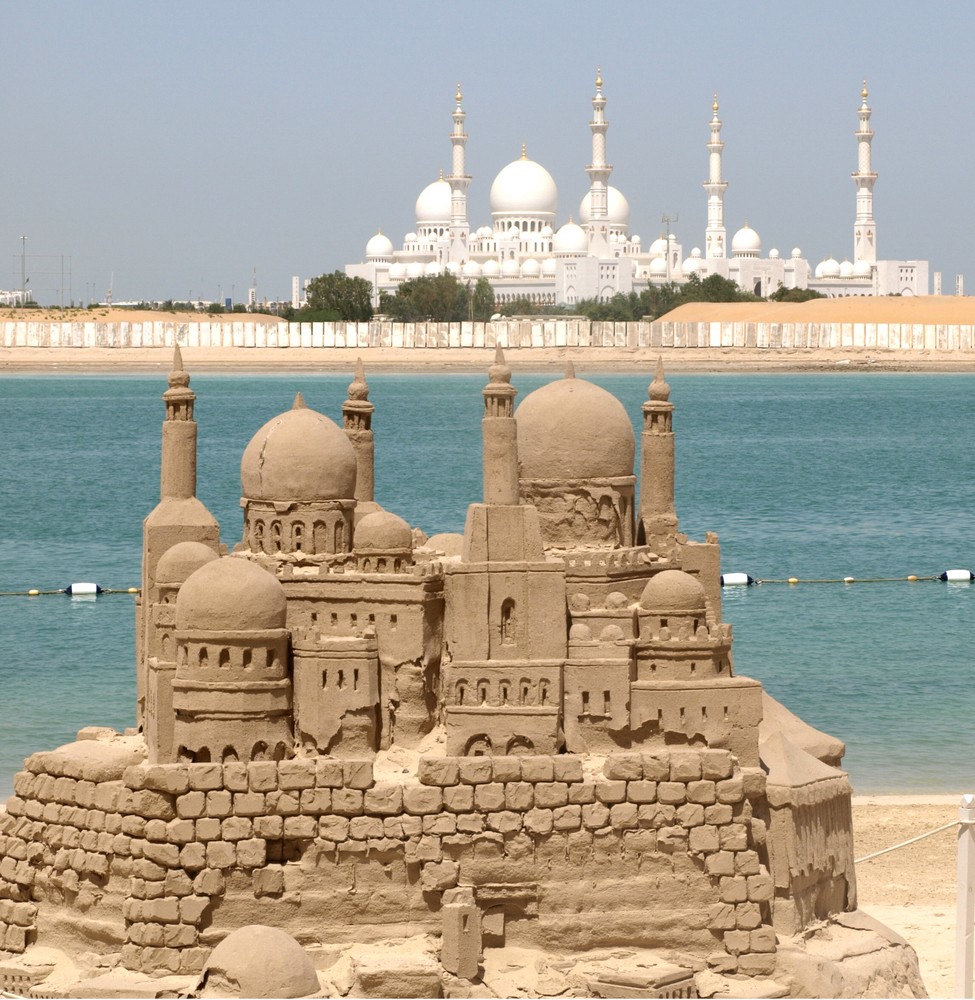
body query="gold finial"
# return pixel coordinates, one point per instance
(599, 78)
(570, 219)
(714, 107)
(524, 152)
(863, 93)
(459, 96)
(441, 173)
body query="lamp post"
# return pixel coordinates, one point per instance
(23, 271)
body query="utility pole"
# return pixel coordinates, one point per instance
(23, 271)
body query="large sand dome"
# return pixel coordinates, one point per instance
(673, 590)
(299, 455)
(231, 595)
(181, 560)
(572, 430)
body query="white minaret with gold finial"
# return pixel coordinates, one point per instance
(599, 171)
(459, 182)
(716, 237)
(864, 229)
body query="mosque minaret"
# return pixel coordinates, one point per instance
(716, 238)
(459, 181)
(526, 255)
(865, 229)
(599, 171)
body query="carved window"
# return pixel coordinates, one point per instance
(224, 658)
(543, 692)
(482, 692)
(461, 692)
(505, 689)
(607, 710)
(275, 536)
(508, 622)
(203, 658)
(258, 543)
(296, 536)
(320, 535)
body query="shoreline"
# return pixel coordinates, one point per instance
(108, 360)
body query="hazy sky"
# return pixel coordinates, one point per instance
(174, 147)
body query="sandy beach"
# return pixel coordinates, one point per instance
(26, 360)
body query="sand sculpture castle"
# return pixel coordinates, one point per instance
(528, 734)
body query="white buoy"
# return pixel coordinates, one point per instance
(76, 589)
(957, 576)
(736, 580)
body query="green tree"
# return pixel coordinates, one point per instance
(482, 301)
(794, 295)
(440, 298)
(347, 298)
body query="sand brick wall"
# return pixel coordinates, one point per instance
(511, 334)
(174, 856)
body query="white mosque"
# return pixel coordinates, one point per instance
(525, 253)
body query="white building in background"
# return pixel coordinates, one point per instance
(524, 252)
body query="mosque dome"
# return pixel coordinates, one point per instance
(862, 269)
(433, 205)
(829, 268)
(452, 267)
(796, 253)
(382, 531)
(491, 268)
(659, 247)
(773, 254)
(573, 429)
(409, 238)
(513, 233)
(379, 246)
(549, 267)
(531, 268)
(570, 239)
(179, 561)
(433, 268)
(547, 232)
(691, 264)
(231, 595)
(846, 269)
(510, 269)
(746, 242)
(617, 208)
(299, 455)
(397, 272)
(673, 590)
(471, 269)
(523, 187)
(658, 265)
(414, 269)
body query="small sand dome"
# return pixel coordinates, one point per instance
(673, 590)
(572, 429)
(448, 542)
(382, 531)
(258, 961)
(298, 455)
(231, 595)
(180, 561)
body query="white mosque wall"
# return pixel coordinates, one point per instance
(568, 332)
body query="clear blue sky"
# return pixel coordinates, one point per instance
(179, 145)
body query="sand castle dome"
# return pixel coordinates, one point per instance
(299, 455)
(573, 429)
(181, 560)
(382, 531)
(231, 595)
(673, 590)
(258, 961)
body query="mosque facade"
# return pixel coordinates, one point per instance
(526, 253)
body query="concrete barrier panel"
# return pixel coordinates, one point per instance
(453, 334)
(859, 335)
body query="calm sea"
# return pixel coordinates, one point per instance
(813, 476)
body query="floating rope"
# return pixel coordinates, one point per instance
(949, 576)
(72, 590)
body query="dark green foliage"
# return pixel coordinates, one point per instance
(336, 296)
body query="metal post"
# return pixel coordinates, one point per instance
(965, 914)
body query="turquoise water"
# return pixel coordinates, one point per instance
(825, 475)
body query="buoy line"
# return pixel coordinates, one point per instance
(947, 576)
(72, 590)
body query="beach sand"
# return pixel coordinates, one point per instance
(912, 890)
(44, 360)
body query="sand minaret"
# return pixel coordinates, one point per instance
(500, 435)
(658, 519)
(357, 420)
(178, 469)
